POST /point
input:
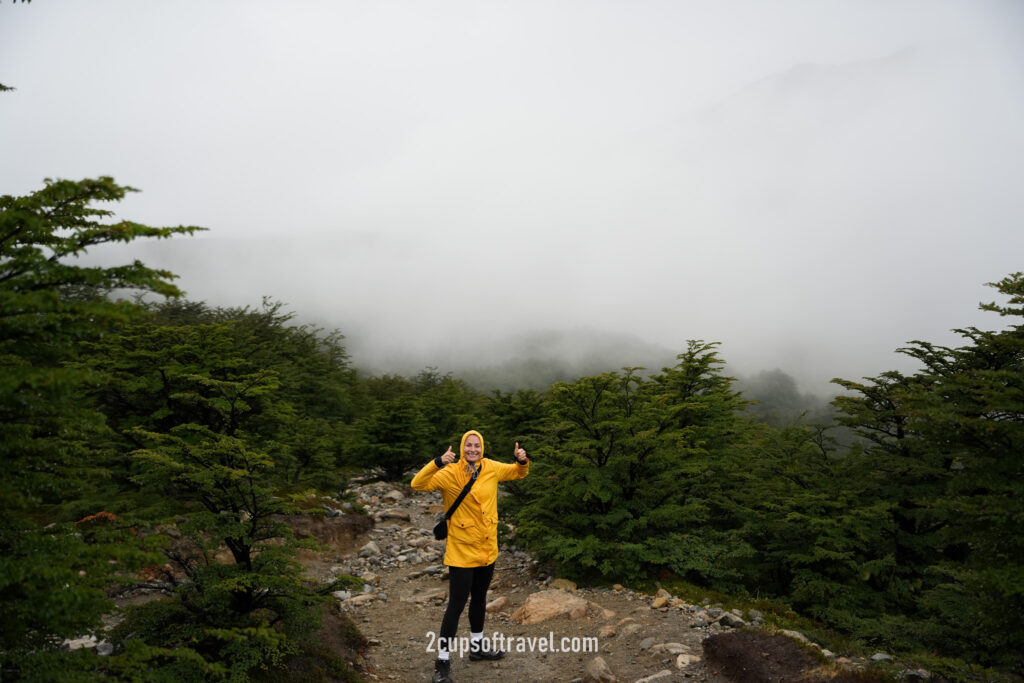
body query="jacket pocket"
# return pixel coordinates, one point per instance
(463, 532)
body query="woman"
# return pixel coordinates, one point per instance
(472, 545)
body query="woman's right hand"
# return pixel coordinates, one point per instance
(448, 457)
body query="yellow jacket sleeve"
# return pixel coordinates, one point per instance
(425, 479)
(508, 472)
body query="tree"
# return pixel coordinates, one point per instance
(393, 437)
(151, 366)
(627, 487)
(48, 305)
(448, 406)
(947, 445)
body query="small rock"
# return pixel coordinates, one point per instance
(498, 604)
(658, 603)
(79, 643)
(371, 549)
(563, 584)
(796, 635)
(733, 621)
(426, 595)
(662, 675)
(341, 595)
(361, 599)
(881, 657)
(685, 660)
(597, 671)
(670, 648)
(606, 631)
(647, 643)
(630, 629)
(907, 676)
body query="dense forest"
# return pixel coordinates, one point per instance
(139, 429)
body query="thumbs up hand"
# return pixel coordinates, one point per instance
(520, 454)
(449, 456)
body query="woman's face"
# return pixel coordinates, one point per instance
(472, 448)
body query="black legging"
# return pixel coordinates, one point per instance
(464, 582)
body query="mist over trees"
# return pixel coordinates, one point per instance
(173, 435)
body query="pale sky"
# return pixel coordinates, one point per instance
(811, 183)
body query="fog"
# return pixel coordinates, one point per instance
(459, 184)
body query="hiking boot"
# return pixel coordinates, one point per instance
(442, 671)
(478, 650)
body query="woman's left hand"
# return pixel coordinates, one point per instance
(520, 454)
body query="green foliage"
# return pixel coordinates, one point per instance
(204, 416)
(49, 435)
(412, 421)
(520, 416)
(624, 489)
(239, 373)
(947, 448)
(243, 612)
(392, 437)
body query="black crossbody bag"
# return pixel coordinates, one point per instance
(441, 528)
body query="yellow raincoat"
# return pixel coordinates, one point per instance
(473, 529)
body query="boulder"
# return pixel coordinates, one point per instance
(546, 604)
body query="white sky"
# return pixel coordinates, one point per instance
(810, 182)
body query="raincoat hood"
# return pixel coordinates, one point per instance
(462, 444)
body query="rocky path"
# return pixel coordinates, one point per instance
(552, 630)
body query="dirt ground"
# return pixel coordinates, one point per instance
(402, 630)
(638, 638)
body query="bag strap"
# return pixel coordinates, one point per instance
(465, 490)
